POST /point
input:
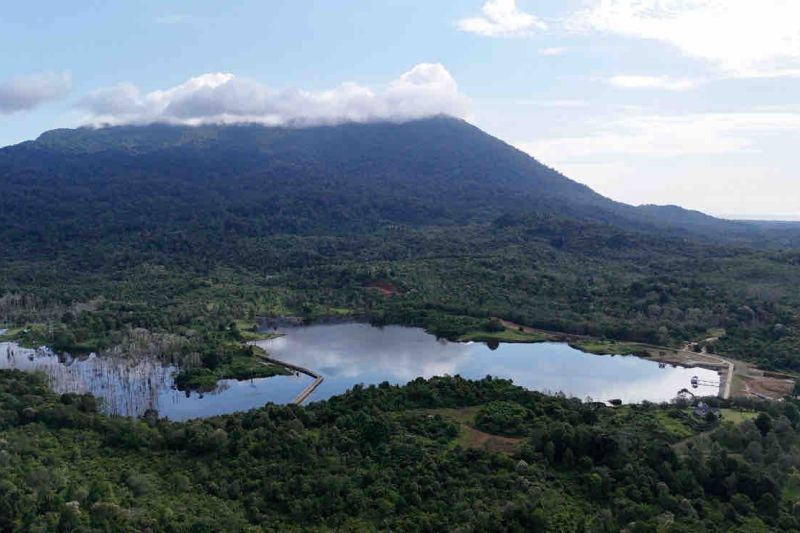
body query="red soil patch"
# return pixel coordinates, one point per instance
(385, 287)
(475, 438)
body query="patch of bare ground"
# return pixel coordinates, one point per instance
(737, 378)
(474, 438)
(765, 385)
(470, 437)
(386, 288)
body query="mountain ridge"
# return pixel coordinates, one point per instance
(440, 170)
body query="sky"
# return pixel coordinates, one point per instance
(687, 102)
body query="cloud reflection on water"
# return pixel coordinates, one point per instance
(348, 354)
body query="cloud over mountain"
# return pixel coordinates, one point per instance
(425, 90)
(27, 92)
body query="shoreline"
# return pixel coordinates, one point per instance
(306, 392)
(736, 378)
(303, 395)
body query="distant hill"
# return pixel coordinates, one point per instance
(142, 182)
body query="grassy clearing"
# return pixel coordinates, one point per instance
(598, 347)
(469, 437)
(248, 331)
(737, 417)
(10, 334)
(509, 335)
(462, 415)
(674, 427)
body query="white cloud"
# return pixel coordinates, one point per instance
(553, 51)
(425, 90)
(502, 18)
(745, 38)
(652, 82)
(28, 92)
(668, 136)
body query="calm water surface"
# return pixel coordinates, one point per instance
(348, 354)
(131, 387)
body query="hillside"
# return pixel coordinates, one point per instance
(148, 182)
(180, 231)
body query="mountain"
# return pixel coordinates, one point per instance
(168, 242)
(178, 230)
(133, 182)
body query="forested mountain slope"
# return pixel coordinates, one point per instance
(179, 231)
(169, 238)
(146, 183)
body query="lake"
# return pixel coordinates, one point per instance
(348, 354)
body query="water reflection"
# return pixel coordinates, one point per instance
(347, 354)
(350, 351)
(130, 387)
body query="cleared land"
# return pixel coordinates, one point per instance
(737, 378)
(470, 437)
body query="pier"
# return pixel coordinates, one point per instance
(308, 391)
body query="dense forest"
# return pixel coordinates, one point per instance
(540, 271)
(170, 241)
(174, 234)
(440, 455)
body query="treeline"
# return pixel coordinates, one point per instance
(390, 458)
(180, 231)
(543, 272)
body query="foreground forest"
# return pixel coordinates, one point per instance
(440, 455)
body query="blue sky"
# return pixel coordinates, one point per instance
(692, 102)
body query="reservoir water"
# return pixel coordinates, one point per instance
(129, 388)
(349, 354)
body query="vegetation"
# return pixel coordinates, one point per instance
(227, 366)
(172, 241)
(431, 223)
(611, 348)
(393, 458)
(493, 332)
